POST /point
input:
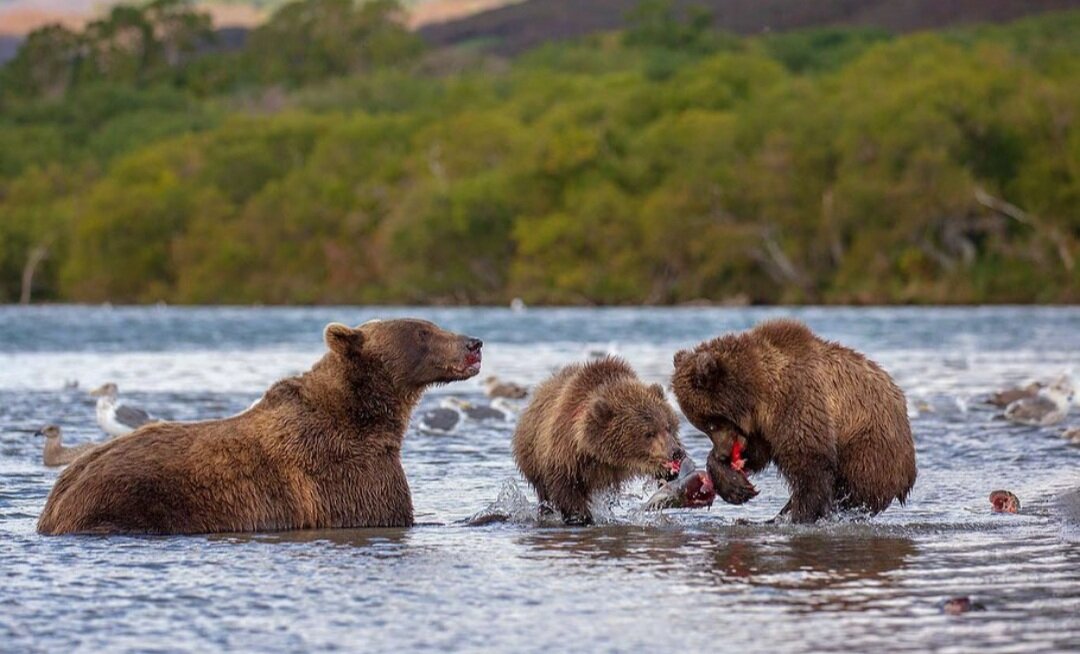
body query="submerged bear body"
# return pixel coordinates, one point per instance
(834, 423)
(320, 450)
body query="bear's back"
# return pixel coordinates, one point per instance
(545, 431)
(169, 478)
(861, 394)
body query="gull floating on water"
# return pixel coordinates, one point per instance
(1048, 407)
(494, 387)
(479, 412)
(440, 420)
(1004, 398)
(593, 352)
(55, 454)
(452, 411)
(114, 418)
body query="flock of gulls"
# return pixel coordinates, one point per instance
(114, 418)
(1036, 404)
(454, 411)
(117, 418)
(1039, 404)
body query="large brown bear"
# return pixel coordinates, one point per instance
(319, 450)
(591, 427)
(834, 422)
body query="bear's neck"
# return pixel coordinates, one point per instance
(363, 393)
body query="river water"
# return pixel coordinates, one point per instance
(680, 580)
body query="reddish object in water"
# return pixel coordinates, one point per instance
(1003, 501)
(961, 605)
(699, 490)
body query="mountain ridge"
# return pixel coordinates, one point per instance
(518, 27)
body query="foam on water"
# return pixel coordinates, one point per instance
(525, 584)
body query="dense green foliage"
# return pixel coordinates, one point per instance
(331, 160)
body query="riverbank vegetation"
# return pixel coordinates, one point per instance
(334, 159)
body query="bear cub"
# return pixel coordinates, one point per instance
(594, 426)
(832, 421)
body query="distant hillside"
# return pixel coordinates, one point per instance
(518, 27)
(19, 17)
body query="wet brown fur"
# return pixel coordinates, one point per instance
(833, 421)
(592, 427)
(319, 450)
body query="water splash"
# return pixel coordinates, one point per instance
(511, 505)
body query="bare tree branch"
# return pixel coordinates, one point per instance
(1016, 213)
(37, 254)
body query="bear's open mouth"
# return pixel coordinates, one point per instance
(670, 470)
(470, 366)
(737, 461)
(721, 427)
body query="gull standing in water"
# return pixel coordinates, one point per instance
(1004, 398)
(440, 420)
(55, 454)
(478, 412)
(117, 419)
(495, 387)
(1048, 407)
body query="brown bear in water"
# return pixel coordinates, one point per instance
(320, 450)
(592, 427)
(833, 421)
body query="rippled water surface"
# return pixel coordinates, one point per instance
(682, 580)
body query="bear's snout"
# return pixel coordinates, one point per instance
(473, 355)
(673, 457)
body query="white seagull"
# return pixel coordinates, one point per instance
(1048, 407)
(114, 418)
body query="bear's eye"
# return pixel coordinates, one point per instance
(424, 333)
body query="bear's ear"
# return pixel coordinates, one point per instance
(342, 338)
(658, 391)
(680, 358)
(602, 412)
(706, 370)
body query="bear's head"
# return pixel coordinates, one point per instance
(718, 385)
(630, 426)
(416, 353)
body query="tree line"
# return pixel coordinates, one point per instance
(334, 159)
